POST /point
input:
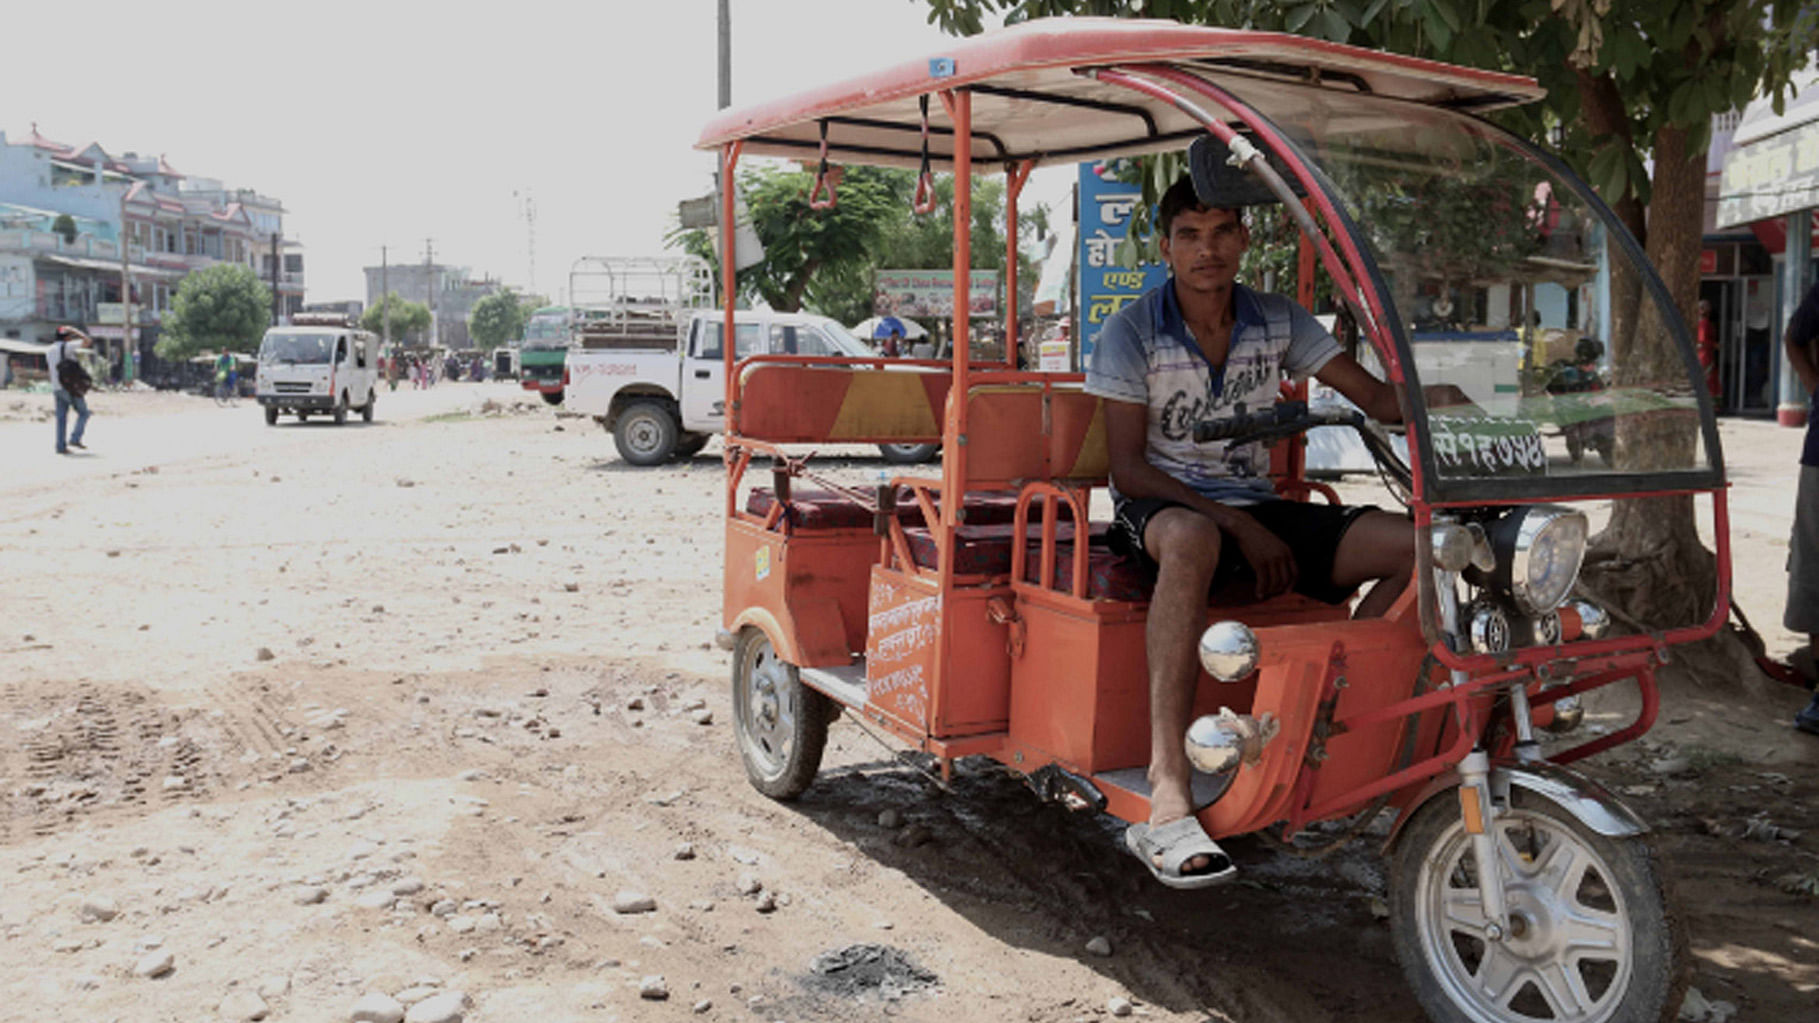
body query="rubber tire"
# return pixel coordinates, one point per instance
(909, 454)
(691, 444)
(271, 415)
(637, 417)
(341, 410)
(1658, 975)
(366, 411)
(302, 417)
(551, 398)
(783, 764)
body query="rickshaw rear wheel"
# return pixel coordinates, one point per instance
(1593, 935)
(781, 724)
(909, 454)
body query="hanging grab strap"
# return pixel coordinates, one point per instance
(823, 179)
(925, 180)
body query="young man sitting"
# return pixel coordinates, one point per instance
(1203, 515)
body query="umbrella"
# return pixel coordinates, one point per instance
(878, 326)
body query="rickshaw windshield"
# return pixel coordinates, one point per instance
(1508, 284)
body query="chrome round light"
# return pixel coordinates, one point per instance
(1594, 621)
(1490, 628)
(1218, 744)
(1569, 713)
(1452, 547)
(1229, 651)
(1547, 630)
(1539, 549)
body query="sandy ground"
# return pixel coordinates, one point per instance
(415, 709)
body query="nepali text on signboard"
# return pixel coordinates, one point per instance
(1771, 177)
(1106, 287)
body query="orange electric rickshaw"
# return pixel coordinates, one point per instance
(977, 612)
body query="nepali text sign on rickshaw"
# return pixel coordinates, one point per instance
(930, 293)
(1105, 221)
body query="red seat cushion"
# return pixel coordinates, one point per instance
(986, 549)
(1109, 576)
(824, 509)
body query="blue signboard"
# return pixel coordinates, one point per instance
(1106, 287)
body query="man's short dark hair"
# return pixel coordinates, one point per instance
(1181, 198)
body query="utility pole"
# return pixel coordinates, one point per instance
(429, 288)
(126, 299)
(385, 303)
(726, 54)
(528, 209)
(277, 275)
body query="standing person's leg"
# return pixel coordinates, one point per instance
(1802, 613)
(81, 404)
(62, 421)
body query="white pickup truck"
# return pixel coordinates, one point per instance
(661, 404)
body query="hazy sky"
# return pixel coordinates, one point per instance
(387, 122)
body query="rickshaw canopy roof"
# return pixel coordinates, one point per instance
(1028, 98)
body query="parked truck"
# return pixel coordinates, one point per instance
(544, 353)
(666, 402)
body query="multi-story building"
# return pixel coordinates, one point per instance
(77, 223)
(449, 291)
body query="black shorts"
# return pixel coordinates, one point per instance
(1312, 532)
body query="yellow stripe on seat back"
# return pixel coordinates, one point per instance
(882, 405)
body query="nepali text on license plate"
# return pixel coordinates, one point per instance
(1480, 446)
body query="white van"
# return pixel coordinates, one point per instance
(320, 363)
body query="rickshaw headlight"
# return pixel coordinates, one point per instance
(1229, 651)
(1538, 553)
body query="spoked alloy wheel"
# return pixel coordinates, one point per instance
(781, 723)
(1591, 939)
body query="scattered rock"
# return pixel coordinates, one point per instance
(446, 1007)
(243, 1004)
(572, 587)
(702, 717)
(1118, 1005)
(99, 909)
(416, 993)
(702, 1006)
(374, 1007)
(1696, 1008)
(1099, 946)
(653, 988)
(156, 963)
(767, 903)
(264, 654)
(749, 884)
(628, 901)
(311, 895)
(274, 986)
(407, 886)
(685, 851)
(890, 820)
(1672, 764)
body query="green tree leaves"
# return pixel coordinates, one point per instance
(224, 307)
(497, 318)
(410, 320)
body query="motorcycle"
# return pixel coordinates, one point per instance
(1586, 422)
(978, 612)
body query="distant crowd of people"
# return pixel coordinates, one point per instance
(424, 372)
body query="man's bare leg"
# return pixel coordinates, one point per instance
(1185, 546)
(1378, 546)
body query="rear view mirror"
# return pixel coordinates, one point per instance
(1220, 185)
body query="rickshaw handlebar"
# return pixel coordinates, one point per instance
(1279, 420)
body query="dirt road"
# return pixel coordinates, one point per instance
(428, 713)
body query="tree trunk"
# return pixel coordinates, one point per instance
(1649, 562)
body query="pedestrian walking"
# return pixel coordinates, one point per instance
(69, 386)
(1802, 614)
(224, 377)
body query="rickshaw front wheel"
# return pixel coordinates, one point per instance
(1592, 936)
(781, 724)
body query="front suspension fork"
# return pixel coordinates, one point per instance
(1478, 804)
